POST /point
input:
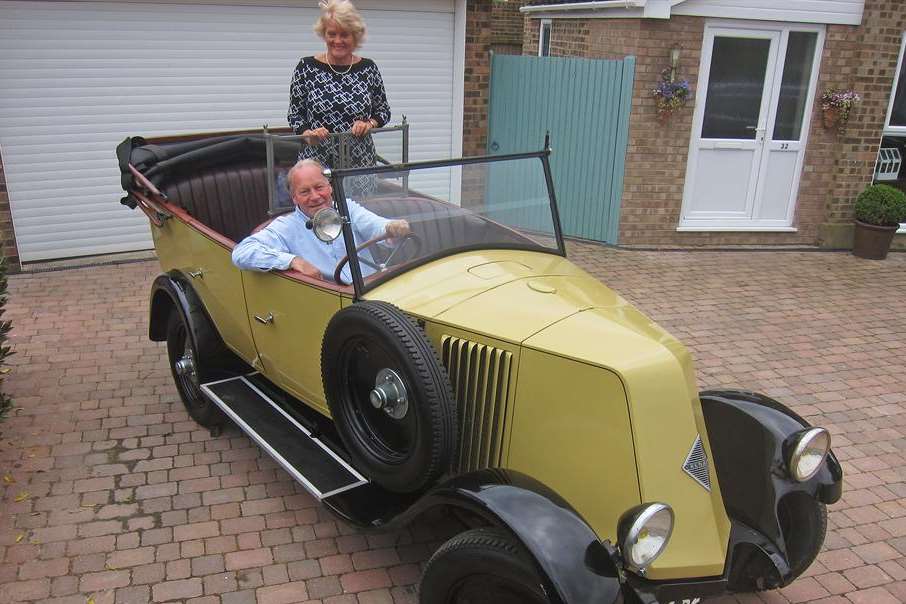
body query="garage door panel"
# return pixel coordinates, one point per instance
(80, 77)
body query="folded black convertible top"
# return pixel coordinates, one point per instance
(163, 162)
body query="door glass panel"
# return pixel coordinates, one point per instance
(735, 87)
(797, 73)
(898, 115)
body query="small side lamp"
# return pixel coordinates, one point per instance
(674, 61)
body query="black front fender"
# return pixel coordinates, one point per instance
(577, 567)
(747, 432)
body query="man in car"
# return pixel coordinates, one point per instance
(286, 243)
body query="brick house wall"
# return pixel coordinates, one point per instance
(836, 166)
(7, 235)
(506, 26)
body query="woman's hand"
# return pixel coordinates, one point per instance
(362, 127)
(316, 136)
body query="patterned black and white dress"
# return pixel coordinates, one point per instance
(320, 97)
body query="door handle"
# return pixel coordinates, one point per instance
(494, 146)
(265, 320)
(199, 274)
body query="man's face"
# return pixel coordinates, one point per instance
(311, 191)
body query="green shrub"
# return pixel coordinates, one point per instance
(881, 205)
(6, 403)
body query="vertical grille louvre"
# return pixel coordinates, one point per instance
(480, 377)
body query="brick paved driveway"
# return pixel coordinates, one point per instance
(118, 497)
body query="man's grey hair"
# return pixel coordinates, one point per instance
(302, 163)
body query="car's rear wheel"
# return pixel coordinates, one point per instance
(184, 362)
(481, 566)
(389, 396)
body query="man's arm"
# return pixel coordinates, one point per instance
(262, 251)
(369, 225)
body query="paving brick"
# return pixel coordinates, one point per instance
(219, 583)
(288, 593)
(133, 595)
(177, 590)
(37, 569)
(27, 590)
(365, 580)
(131, 557)
(248, 559)
(104, 580)
(196, 531)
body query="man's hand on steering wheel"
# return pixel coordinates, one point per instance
(397, 228)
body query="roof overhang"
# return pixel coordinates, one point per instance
(845, 12)
(650, 9)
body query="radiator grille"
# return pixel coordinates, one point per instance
(480, 376)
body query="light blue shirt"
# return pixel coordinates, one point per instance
(275, 246)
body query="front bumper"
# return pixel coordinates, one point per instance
(638, 590)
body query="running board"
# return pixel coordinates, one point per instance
(310, 461)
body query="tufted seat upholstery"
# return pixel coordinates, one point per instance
(231, 199)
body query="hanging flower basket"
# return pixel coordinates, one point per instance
(669, 95)
(836, 107)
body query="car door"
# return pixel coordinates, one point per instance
(288, 318)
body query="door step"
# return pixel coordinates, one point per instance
(309, 460)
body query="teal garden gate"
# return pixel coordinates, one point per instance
(584, 104)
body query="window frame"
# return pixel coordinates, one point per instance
(888, 129)
(541, 37)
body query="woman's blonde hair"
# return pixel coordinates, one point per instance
(344, 14)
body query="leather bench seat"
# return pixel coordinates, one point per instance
(230, 199)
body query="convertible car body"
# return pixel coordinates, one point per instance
(472, 365)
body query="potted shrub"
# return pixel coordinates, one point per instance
(879, 211)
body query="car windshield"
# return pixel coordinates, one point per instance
(493, 204)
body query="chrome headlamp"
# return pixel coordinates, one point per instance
(806, 453)
(327, 224)
(643, 533)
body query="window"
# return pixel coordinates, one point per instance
(896, 113)
(544, 39)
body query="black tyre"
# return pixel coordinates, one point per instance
(803, 522)
(184, 361)
(389, 396)
(481, 566)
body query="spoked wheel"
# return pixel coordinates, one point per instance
(184, 366)
(481, 566)
(389, 396)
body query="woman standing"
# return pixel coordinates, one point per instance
(338, 91)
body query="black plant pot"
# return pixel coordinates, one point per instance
(872, 241)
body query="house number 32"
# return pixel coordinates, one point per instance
(784, 146)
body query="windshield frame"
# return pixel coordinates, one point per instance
(336, 180)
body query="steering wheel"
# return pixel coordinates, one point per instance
(399, 245)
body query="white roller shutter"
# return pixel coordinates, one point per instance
(78, 77)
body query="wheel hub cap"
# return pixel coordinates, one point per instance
(185, 366)
(389, 394)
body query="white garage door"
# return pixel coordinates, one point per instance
(78, 77)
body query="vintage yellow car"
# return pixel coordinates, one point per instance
(470, 365)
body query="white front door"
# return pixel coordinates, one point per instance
(748, 140)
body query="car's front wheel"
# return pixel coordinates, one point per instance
(184, 361)
(803, 523)
(481, 566)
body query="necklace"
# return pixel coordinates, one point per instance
(337, 71)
